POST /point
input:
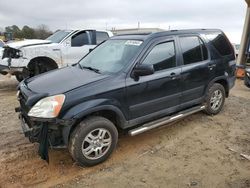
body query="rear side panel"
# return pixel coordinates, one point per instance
(224, 55)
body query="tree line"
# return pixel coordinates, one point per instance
(40, 32)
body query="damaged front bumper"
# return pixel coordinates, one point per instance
(49, 133)
(4, 69)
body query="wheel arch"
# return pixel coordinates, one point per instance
(46, 59)
(110, 112)
(220, 80)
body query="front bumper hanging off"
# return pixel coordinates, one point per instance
(52, 133)
(11, 70)
(39, 135)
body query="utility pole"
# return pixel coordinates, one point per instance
(245, 37)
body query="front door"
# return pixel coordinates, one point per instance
(76, 47)
(157, 94)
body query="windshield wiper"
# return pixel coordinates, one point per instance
(91, 68)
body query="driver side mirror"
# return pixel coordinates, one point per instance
(143, 70)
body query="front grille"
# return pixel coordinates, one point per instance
(22, 100)
(25, 109)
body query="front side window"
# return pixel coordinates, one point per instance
(80, 39)
(193, 50)
(111, 56)
(162, 56)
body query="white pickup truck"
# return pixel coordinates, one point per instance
(32, 57)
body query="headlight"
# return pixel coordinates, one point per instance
(248, 74)
(48, 107)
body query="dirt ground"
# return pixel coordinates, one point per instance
(198, 151)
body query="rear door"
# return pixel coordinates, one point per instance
(157, 94)
(197, 70)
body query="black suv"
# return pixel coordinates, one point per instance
(129, 82)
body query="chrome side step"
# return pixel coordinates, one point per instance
(165, 120)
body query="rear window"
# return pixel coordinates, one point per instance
(221, 44)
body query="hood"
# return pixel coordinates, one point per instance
(30, 42)
(62, 80)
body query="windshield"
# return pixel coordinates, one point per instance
(58, 36)
(111, 56)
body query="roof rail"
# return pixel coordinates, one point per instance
(146, 33)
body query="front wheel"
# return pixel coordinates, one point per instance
(93, 141)
(215, 99)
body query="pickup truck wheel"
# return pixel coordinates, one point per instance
(215, 99)
(93, 141)
(39, 67)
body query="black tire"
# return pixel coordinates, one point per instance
(211, 107)
(87, 127)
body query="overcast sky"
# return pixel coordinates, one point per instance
(227, 15)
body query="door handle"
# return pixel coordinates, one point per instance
(173, 76)
(211, 66)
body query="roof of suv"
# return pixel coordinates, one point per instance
(144, 36)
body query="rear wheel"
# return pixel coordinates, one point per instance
(93, 141)
(215, 99)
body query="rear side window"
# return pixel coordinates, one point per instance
(162, 56)
(221, 44)
(101, 36)
(193, 50)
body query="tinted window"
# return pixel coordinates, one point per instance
(101, 36)
(204, 50)
(193, 50)
(79, 39)
(220, 42)
(162, 56)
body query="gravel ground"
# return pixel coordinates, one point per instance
(198, 151)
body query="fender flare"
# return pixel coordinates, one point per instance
(223, 78)
(87, 110)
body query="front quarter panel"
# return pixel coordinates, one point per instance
(107, 94)
(52, 51)
(83, 109)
